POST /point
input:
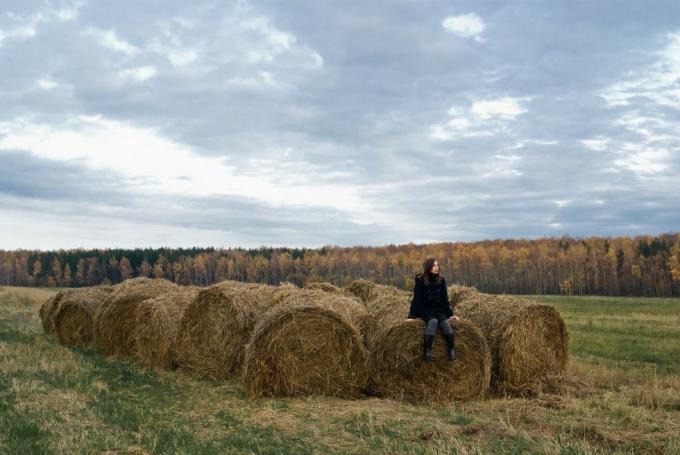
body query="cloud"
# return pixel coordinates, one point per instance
(46, 84)
(596, 144)
(647, 104)
(353, 122)
(110, 40)
(658, 83)
(140, 74)
(482, 118)
(466, 26)
(150, 162)
(26, 26)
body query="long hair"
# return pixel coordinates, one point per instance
(428, 276)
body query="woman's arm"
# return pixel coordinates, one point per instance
(445, 300)
(416, 301)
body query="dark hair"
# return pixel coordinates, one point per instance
(427, 271)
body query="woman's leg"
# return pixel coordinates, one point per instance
(430, 330)
(447, 330)
(446, 327)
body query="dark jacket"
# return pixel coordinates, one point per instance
(429, 300)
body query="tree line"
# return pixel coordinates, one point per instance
(616, 266)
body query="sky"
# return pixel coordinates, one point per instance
(308, 123)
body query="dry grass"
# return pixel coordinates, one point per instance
(157, 322)
(308, 343)
(78, 308)
(116, 320)
(216, 326)
(59, 400)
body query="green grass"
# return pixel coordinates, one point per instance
(639, 332)
(59, 400)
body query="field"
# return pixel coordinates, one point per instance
(625, 351)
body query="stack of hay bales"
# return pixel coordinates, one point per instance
(318, 340)
(75, 318)
(528, 341)
(216, 326)
(155, 333)
(116, 319)
(307, 343)
(396, 350)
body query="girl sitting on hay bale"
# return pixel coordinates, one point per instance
(431, 304)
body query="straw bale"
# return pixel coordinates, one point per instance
(528, 341)
(308, 343)
(396, 351)
(368, 291)
(458, 292)
(155, 333)
(74, 321)
(216, 326)
(324, 286)
(116, 319)
(48, 310)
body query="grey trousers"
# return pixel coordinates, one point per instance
(432, 324)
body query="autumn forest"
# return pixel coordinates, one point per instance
(616, 266)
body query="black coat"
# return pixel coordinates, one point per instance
(429, 300)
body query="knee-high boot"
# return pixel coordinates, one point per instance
(450, 348)
(427, 347)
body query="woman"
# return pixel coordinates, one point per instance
(431, 304)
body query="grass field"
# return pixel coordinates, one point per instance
(59, 400)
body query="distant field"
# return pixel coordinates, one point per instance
(59, 400)
(643, 333)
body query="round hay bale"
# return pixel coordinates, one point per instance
(74, 321)
(528, 341)
(368, 291)
(155, 333)
(216, 326)
(116, 319)
(395, 357)
(307, 344)
(458, 292)
(48, 310)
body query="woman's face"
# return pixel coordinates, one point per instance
(435, 268)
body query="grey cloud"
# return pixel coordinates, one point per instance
(389, 73)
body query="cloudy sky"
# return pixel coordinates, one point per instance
(309, 123)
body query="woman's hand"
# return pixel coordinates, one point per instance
(453, 318)
(410, 319)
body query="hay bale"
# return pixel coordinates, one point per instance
(116, 319)
(216, 326)
(528, 341)
(48, 310)
(458, 292)
(368, 291)
(307, 344)
(74, 321)
(396, 350)
(155, 333)
(326, 287)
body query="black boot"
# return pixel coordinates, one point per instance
(427, 347)
(450, 348)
